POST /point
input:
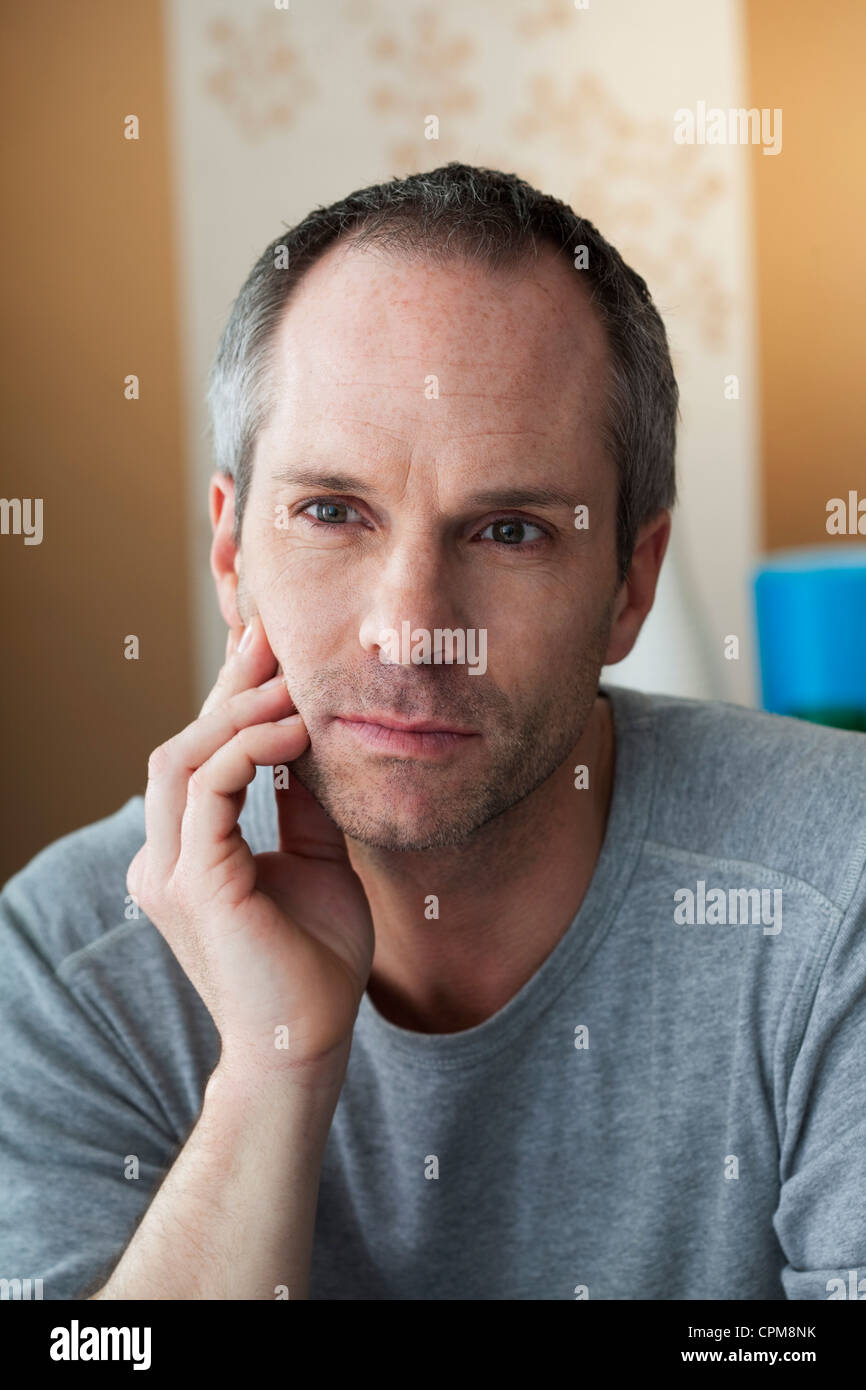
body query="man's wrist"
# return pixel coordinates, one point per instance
(241, 1080)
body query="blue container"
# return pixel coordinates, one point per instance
(811, 623)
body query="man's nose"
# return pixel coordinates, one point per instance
(412, 588)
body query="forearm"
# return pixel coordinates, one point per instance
(234, 1217)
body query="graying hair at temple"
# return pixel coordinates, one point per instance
(498, 221)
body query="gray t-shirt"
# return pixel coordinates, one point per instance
(668, 1109)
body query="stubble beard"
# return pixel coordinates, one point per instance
(523, 747)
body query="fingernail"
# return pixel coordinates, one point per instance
(290, 719)
(274, 680)
(245, 640)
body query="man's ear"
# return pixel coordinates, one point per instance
(225, 556)
(638, 589)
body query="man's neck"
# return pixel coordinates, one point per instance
(504, 900)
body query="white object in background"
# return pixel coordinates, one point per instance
(672, 655)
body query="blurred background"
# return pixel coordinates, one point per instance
(123, 256)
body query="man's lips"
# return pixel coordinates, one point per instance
(410, 737)
(411, 726)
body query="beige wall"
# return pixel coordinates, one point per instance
(89, 297)
(810, 210)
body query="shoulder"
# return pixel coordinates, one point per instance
(74, 891)
(72, 896)
(738, 784)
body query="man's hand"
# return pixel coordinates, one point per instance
(270, 941)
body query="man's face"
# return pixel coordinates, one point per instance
(435, 429)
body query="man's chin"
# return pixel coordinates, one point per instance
(400, 806)
(393, 837)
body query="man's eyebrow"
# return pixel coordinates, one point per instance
(522, 497)
(328, 482)
(490, 498)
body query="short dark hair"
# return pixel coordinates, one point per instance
(495, 220)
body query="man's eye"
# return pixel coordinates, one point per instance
(331, 513)
(512, 531)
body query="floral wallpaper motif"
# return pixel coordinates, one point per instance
(262, 79)
(427, 75)
(632, 181)
(549, 14)
(566, 133)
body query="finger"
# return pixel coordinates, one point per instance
(172, 765)
(210, 818)
(135, 871)
(250, 663)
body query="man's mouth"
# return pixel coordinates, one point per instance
(412, 738)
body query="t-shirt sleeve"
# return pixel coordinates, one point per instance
(820, 1219)
(84, 1139)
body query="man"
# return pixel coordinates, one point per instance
(498, 984)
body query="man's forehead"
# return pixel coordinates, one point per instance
(374, 306)
(446, 381)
